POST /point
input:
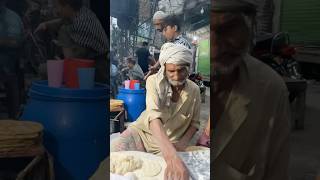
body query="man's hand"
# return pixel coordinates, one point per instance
(41, 27)
(176, 170)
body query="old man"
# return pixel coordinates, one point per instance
(172, 112)
(250, 101)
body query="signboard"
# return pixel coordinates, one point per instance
(203, 63)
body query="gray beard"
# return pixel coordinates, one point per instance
(222, 70)
(176, 83)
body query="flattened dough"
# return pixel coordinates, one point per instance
(150, 168)
(122, 164)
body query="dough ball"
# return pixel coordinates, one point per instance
(122, 164)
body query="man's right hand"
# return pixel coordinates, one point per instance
(41, 27)
(176, 170)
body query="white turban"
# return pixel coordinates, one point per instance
(159, 15)
(173, 54)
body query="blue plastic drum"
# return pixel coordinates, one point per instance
(76, 127)
(134, 102)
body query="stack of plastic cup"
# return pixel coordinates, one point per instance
(132, 82)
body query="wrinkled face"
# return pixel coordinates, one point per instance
(169, 32)
(176, 74)
(229, 42)
(158, 24)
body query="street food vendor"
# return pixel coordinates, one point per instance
(172, 112)
(80, 34)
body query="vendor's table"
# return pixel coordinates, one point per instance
(118, 117)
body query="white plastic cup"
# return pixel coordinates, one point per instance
(127, 84)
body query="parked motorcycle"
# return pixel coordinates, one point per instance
(198, 79)
(277, 52)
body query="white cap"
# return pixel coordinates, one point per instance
(159, 15)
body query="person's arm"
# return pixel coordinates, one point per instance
(52, 25)
(152, 61)
(152, 69)
(175, 166)
(161, 138)
(155, 66)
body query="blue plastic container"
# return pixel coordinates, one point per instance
(134, 102)
(76, 128)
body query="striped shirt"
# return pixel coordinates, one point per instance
(182, 41)
(87, 31)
